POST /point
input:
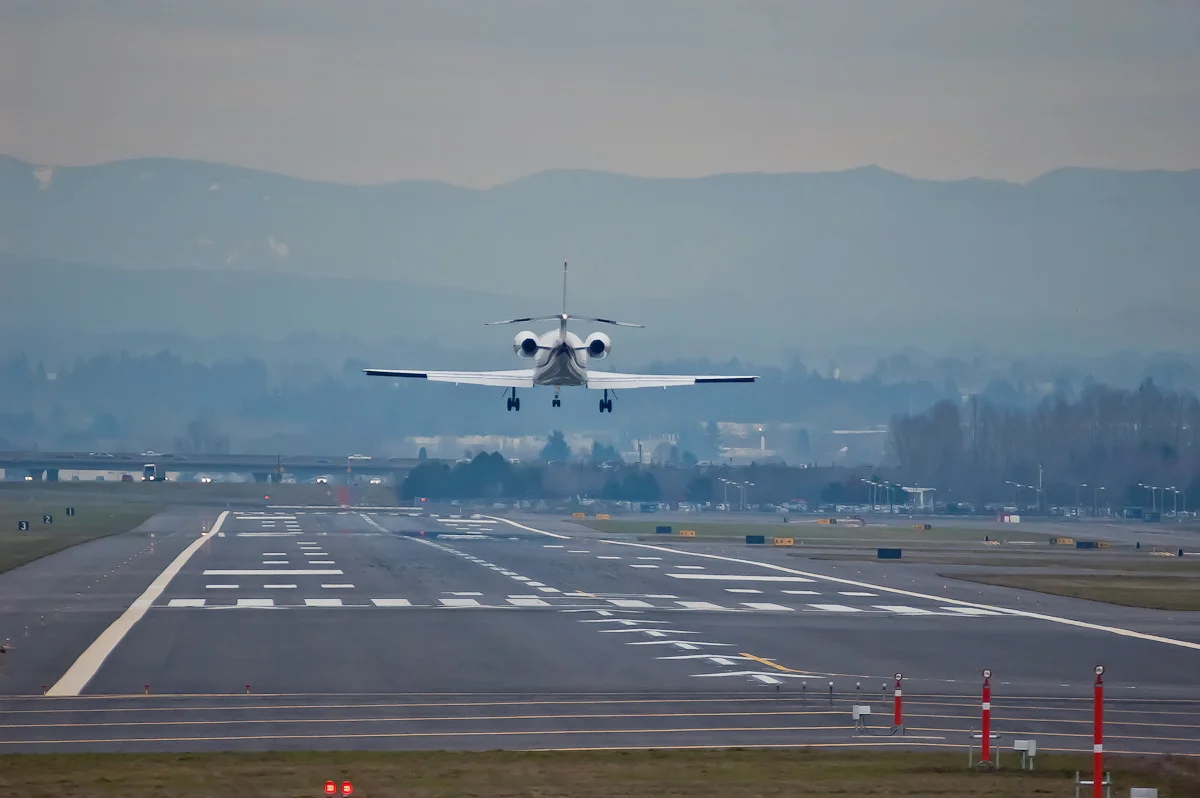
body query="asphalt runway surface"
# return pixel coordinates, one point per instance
(388, 629)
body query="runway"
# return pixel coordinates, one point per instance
(310, 628)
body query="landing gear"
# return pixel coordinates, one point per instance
(513, 402)
(556, 402)
(606, 403)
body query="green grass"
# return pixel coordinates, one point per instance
(1086, 560)
(815, 533)
(90, 522)
(736, 773)
(1156, 592)
(197, 493)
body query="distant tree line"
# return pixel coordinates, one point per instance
(489, 476)
(1096, 449)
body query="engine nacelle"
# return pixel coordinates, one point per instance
(525, 344)
(597, 345)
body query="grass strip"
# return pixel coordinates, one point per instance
(90, 521)
(732, 773)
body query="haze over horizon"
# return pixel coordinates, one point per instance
(480, 95)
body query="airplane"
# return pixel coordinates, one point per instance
(560, 359)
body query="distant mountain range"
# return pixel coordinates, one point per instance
(1076, 260)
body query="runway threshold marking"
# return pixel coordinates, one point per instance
(1095, 627)
(84, 668)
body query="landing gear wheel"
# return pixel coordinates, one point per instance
(510, 403)
(556, 402)
(606, 405)
(517, 405)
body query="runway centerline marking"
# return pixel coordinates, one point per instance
(84, 668)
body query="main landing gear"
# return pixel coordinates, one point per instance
(556, 402)
(513, 402)
(606, 403)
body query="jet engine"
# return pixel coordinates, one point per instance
(525, 344)
(597, 345)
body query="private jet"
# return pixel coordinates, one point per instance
(560, 359)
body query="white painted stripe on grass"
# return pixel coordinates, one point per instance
(84, 668)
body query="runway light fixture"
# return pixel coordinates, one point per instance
(330, 788)
(987, 674)
(899, 677)
(347, 788)
(1099, 670)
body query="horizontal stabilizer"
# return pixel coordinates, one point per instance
(608, 321)
(522, 320)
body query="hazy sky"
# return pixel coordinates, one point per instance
(477, 92)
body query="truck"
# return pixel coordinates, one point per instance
(149, 472)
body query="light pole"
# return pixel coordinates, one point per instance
(1014, 487)
(1096, 501)
(1077, 507)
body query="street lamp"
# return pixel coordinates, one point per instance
(1077, 508)
(1096, 501)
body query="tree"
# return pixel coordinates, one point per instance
(422, 455)
(603, 453)
(556, 447)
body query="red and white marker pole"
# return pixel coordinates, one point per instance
(1098, 736)
(898, 720)
(986, 737)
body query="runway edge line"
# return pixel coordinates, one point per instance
(89, 662)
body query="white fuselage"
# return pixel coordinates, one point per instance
(561, 359)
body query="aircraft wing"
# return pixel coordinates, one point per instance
(611, 380)
(516, 378)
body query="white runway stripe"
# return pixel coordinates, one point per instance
(459, 602)
(642, 565)
(322, 602)
(272, 572)
(276, 562)
(765, 605)
(834, 608)
(971, 611)
(338, 587)
(274, 553)
(391, 602)
(186, 603)
(629, 603)
(853, 593)
(741, 590)
(700, 605)
(321, 562)
(901, 609)
(528, 602)
(221, 587)
(743, 577)
(278, 587)
(255, 602)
